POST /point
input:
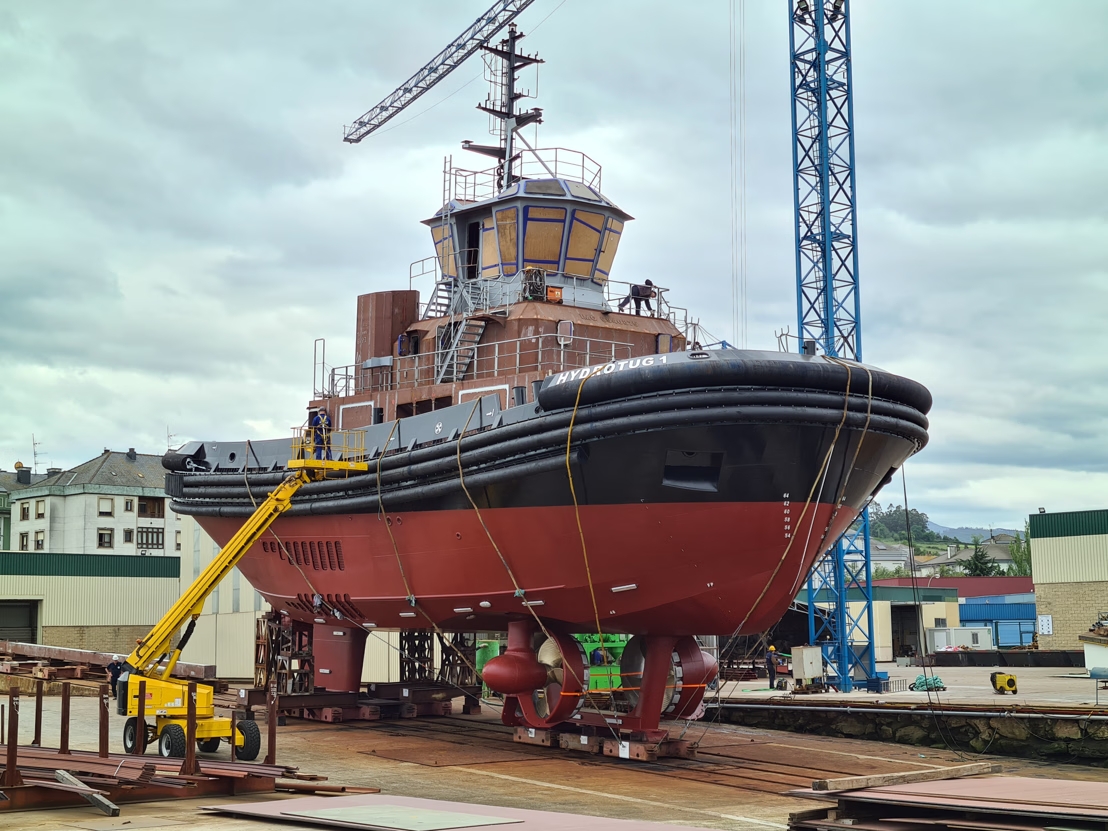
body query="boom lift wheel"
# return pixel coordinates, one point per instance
(208, 745)
(171, 743)
(130, 735)
(251, 740)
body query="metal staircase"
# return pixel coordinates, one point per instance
(438, 305)
(457, 350)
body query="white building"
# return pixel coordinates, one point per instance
(113, 504)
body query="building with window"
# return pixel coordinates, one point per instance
(11, 483)
(113, 504)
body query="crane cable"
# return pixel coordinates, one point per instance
(737, 124)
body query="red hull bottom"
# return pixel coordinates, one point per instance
(672, 568)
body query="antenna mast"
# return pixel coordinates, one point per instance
(501, 104)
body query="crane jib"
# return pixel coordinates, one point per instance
(460, 49)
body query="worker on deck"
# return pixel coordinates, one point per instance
(115, 669)
(771, 666)
(321, 434)
(598, 657)
(640, 294)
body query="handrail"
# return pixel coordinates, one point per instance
(538, 353)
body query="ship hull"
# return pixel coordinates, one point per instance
(685, 497)
(694, 568)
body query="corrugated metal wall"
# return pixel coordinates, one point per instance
(988, 612)
(94, 601)
(1069, 524)
(1082, 559)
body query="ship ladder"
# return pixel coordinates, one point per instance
(456, 359)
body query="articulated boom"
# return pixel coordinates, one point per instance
(166, 698)
(156, 645)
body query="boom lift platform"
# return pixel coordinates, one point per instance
(166, 697)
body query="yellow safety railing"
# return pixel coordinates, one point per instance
(338, 451)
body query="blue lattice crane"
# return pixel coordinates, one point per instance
(827, 296)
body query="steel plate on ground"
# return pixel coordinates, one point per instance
(525, 820)
(399, 818)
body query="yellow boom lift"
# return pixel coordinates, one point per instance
(167, 697)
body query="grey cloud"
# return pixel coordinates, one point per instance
(180, 218)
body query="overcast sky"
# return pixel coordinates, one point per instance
(179, 218)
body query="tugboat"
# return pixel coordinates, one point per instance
(531, 451)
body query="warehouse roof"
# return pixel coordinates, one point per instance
(1069, 524)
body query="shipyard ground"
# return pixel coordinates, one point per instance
(738, 783)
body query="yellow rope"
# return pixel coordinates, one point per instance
(811, 492)
(519, 592)
(577, 511)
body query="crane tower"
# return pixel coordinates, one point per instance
(828, 309)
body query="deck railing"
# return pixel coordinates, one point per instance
(541, 353)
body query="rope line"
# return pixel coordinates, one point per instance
(784, 556)
(577, 511)
(519, 592)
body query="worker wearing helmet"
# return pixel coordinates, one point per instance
(321, 434)
(771, 666)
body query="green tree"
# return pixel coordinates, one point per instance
(1021, 553)
(883, 573)
(980, 564)
(887, 523)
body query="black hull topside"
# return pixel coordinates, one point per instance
(712, 426)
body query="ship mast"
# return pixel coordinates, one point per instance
(501, 104)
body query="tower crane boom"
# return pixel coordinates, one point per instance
(454, 55)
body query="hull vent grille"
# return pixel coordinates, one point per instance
(341, 602)
(319, 555)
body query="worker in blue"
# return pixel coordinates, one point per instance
(114, 669)
(321, 434)
(771, 666)
(640, 294)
